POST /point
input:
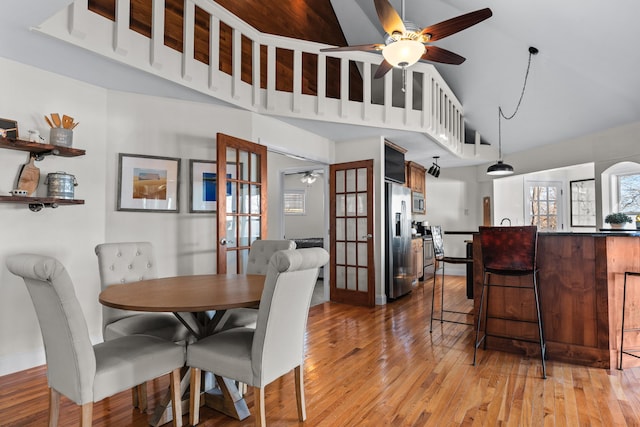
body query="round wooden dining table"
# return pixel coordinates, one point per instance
(186, 293)
(197, 296)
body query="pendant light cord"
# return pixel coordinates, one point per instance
(532, 51)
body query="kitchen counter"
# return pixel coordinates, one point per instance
(581, 280)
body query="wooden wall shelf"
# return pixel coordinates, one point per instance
(40, 150)
(37, 203)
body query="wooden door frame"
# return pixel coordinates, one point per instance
(336, 296)
(221, 159)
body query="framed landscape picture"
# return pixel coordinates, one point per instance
(148, 183)
(204, 186)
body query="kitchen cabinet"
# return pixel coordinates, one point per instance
(415, 180)
(418, 258)
(40, 151)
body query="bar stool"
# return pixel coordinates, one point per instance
(623, 330)
(509, 251)
(438, 249)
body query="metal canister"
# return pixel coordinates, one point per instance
(60, 185)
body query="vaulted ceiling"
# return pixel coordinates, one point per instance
(584, 79)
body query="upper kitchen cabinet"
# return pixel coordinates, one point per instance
(416, 174)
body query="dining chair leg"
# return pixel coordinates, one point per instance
(299, 376)
(86, 418)
(142, 397)
(258, 398)
(54, 407)
(176, 397)
(194, 397)
(134, 396)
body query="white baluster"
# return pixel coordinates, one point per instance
(157, 33)
(123, 13)
(188, 28)
(297, 81)
(214, 52)
(366, 91)
(271, 77)
(344, 87)
(236, 77)
(321, 84)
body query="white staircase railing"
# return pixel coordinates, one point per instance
(427, 105)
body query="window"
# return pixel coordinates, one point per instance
(294, 202)
(629, 193)
(544, 203)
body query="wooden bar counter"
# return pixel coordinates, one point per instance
(581, 283)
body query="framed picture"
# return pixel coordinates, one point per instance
(148, 183)
(204, 186)
(8, 128)
(583, 203)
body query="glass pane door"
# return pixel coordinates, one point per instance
(241, 168)
(351, 233)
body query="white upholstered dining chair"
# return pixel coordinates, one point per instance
(259, 356)
(76, 369)
(258, 259)
(127, 262)
(261, 251)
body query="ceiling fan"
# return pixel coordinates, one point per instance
(405, 44)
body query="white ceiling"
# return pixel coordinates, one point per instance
(585, 78)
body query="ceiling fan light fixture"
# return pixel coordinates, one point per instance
(500, 168)
(309, 178)
(403, 53)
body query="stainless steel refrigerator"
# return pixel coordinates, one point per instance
(399, 262)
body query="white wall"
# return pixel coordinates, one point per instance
(312, 223)
(593, 153)
(110, 123)
(452, 202)
(138, 124)
(604, 149)
(278, 165)
(69, 232)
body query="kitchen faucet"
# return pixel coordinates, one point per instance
(503, 220)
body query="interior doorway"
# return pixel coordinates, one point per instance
(298, 199)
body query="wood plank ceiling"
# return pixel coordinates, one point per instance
(312, 20)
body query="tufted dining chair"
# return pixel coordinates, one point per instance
(258, 259)
(259, 356)
(127, 262)
(261, 251)
(84, 373)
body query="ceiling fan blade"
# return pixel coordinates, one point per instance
(389, 18)
(383, 69)
(459, 23)
(438, 54)
(363, 47)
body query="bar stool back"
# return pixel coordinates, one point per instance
(509, 251)
(438, 249)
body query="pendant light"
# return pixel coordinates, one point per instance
(500, 168)
(434, 170)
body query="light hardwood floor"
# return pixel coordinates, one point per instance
(381, 366)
